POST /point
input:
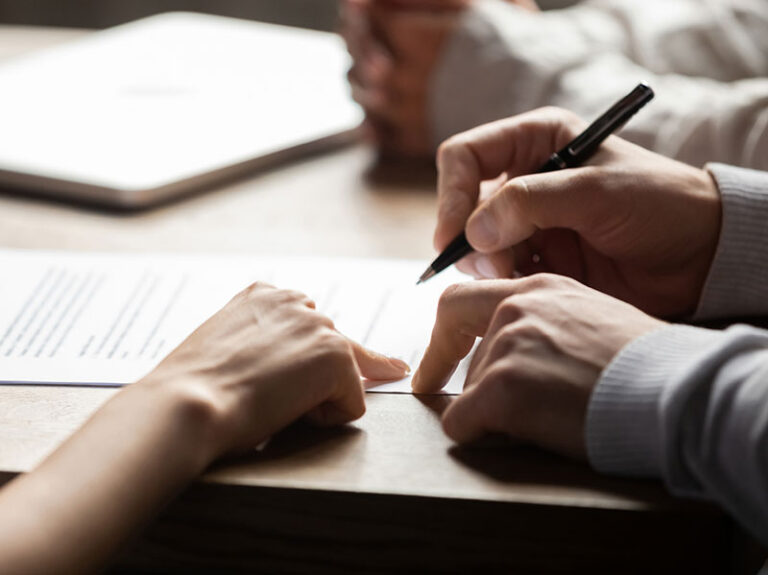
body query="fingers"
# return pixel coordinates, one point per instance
(346, 402)
(373, 365)
(394, 45)
(570, 199)
(518, 145)
(412, 36)
(464, 312)
(471, 415)
(387, 109)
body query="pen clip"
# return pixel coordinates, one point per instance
(612, 120)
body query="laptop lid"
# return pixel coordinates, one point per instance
(169, 104)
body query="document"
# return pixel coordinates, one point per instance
(108, 319)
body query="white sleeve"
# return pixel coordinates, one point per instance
(503, 61)
(723, 40)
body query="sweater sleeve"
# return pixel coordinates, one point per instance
(502, 61)
(689, 405)
(737, 283)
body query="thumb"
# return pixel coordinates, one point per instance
(565, 199)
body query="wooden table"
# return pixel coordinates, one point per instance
(389, 493)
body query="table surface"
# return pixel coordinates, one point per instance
(340, 203)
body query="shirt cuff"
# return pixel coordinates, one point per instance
(737, 280)
(625, 432)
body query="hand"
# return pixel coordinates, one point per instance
(631, 223)
(395, 45)
(546, 340)
(263, 361)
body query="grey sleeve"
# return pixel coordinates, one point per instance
(737, 283)
(503, 60)
(689, 405)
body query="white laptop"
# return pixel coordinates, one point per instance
(167, 105)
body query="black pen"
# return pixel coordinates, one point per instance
(571, 156)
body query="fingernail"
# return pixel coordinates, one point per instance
(485, 268)
(481, 230)
(415, 380)
(400, 364)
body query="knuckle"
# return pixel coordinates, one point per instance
(291, 296)
(256, 288)
(565, 117)
(566, 125)
(540, 281)
(516, 191)
(514, 339)
(294, 296)
(525, 331)
(507, 384)
(448, 297)
(499, 380)
(252, 294)
(509, 310)
(332, 346)
(506, 341)
(451, 150)
(323, 320)
(536, 282)
(549, 281)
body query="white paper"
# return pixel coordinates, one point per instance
(108, 319)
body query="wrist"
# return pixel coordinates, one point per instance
(709, 215)
(186, 413)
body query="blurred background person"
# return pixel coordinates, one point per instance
(427, 69)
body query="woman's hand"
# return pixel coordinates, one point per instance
(631, 223)
(263, 361)
(546, 340)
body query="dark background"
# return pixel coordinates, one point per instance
(319, 14)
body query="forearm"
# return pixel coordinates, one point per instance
(73, 511)
(687, 404)
(515, 61)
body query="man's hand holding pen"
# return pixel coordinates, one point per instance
(630, 223)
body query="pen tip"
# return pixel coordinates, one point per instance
(428, 273)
